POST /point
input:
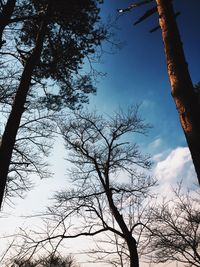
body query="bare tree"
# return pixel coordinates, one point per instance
(33, 142)
(112, 248)
(32, 147)
(109, 173)
(175, 229)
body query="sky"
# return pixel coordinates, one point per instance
(135, 73)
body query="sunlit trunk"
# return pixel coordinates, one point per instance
(5, 16)
(13, 123)
(181, 85)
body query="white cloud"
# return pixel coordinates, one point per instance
(175, 167)
(158, 157)
(155, 144)
(155, 148)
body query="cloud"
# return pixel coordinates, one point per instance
(155, 148)
(175, 167)
(155, 144)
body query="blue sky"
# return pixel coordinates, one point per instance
(136, 73)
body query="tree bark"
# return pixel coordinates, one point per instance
(134, 259)
(13, 123)
(5, 16)
(181, 84)
(130, 240)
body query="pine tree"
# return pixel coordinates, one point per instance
(54, 39)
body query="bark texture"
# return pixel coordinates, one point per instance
(181, 84)
(13, 123)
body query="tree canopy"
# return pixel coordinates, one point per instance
(52, 42)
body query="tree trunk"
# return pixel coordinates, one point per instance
(181, 85)
(132, 246)
(131, 243)
(13, 123)
(5, 16)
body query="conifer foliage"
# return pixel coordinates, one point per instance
(47, 42)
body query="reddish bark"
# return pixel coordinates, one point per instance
(181, 84)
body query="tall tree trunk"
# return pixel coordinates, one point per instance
(134, 259)
(181, 84)
(13, 123)
(5, 16)
(130, 240)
